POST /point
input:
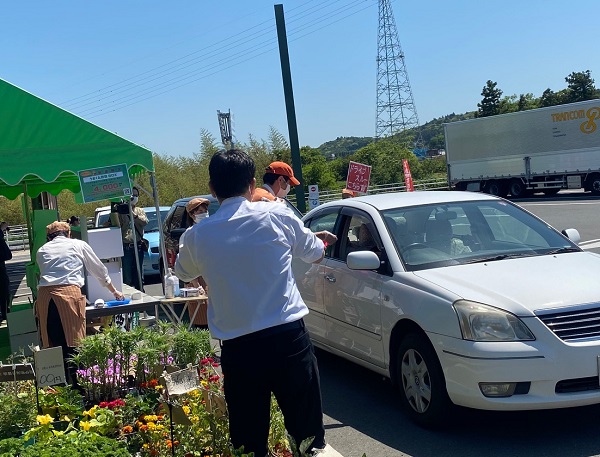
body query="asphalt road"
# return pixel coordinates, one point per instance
(362, 414)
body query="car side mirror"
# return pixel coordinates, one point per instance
(363, 260)
(572, 234)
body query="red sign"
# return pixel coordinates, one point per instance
(407, 176)
(358, 177)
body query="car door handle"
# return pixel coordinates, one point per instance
(330, 278)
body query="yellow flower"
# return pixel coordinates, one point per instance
(194, 418)
(91, 412)
(204, 383)
(159, 387)
(151, 426)
(186, 409)
(45, 420)
(159, 427)
(85, 425)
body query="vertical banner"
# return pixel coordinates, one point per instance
(358, 177)
(313, 196)
(407, 176)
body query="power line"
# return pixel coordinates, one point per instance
(108, 102)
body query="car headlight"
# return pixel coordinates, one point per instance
(480, 322)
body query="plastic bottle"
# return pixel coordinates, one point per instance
(169, 285)
(176, 290)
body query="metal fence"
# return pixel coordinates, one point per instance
(17, 238)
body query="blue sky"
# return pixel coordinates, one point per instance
(156, 72)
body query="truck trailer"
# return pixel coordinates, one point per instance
(540, 150)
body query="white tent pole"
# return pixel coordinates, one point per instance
(161, 238)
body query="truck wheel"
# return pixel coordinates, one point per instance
(517, 189)
(594, 183)
(421, 382)
(496, 188)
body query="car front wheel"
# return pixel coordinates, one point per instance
(421, 382)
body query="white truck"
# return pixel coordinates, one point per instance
(540, 150)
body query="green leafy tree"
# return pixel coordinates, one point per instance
(549, 98)
(490, 104)
(208, 144)
(580, 86)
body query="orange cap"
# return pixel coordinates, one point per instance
(283, 169)
(346, 191)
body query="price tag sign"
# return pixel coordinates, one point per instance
(182, 381)
(49, 366)
(17, 372)
(104, 183)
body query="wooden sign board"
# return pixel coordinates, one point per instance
(17, 372)
(49, 366)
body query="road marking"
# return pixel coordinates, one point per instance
(590, 245)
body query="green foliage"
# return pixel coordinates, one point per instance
(344, 146)
(17, 408)
(82, 444)
(580, 87)
(490, 105)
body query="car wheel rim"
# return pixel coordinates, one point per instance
(416, 381)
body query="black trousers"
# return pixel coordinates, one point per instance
(56, 335)
(280, 360)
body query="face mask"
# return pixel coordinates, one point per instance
(282, 193)
(134, 200)
(199, 216)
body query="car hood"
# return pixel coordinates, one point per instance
(152, 238)
(524, 285)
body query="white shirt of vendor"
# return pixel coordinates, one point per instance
(61, 262)
(218, 248)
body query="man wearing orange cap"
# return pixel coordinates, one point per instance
(278, 179)
(60, 305)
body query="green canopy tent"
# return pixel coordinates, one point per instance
(42, 147)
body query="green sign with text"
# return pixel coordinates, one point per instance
(105, 183)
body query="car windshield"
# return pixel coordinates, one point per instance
(431, 236)
(152, 225)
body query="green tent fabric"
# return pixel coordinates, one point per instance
(44, 146)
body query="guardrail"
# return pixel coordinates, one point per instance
(17, 238)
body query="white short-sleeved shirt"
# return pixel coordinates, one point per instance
(244, 253)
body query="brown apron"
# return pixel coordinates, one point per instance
(70, 303)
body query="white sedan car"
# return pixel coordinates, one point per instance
(460, 298)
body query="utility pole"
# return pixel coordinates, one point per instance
(225, 128)
(288, 92)
(396, 109)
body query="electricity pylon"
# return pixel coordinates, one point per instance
(396, 109)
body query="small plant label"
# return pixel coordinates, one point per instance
(49, 367)
(182, 381)
(17, 372)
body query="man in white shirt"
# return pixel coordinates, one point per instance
(60, 305)
(244, 253)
